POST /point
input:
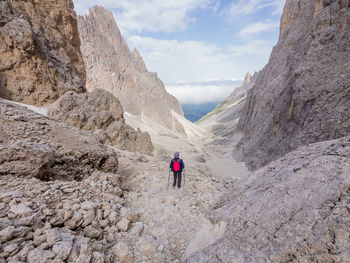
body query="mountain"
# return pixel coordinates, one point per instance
(223, 120)
(113, 67)
(293, 209)
(302, 95)
(40, 52)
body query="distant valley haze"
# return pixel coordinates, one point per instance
(200, 49)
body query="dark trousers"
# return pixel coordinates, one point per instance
(177, 176)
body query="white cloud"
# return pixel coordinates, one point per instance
(149, 15)
(257, 28)
(198, 94)
(247, 7)
(190, 61)
(182, 65)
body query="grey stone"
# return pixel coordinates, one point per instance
(147, 245)
(62, 249)
(97, 258)
(87, 205)
(92, 232)
(52, 236)
(21, 210)
(39, 255)
(10, 248)
(137, 228)
(89, 217)
(123, 224)
(123, 252)
(7, 233)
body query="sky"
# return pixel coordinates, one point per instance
(200, 49)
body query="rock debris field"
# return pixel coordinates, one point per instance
(127, 216)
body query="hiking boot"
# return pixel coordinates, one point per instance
(179, 186)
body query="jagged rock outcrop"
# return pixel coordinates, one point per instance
(101, 113)
(302, 96)
(111, 66)
(223, 120)
(40, 56)
(32, 145)
(296, 209)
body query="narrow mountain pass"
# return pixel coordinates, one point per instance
(175, 222)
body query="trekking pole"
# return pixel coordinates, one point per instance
(184, 177)
(168, 178)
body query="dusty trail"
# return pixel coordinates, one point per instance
(175, 222)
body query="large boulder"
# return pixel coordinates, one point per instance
(39, 50)
(302, 95)
(100, 112)
(36, 146)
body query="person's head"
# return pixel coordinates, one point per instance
(176, 155)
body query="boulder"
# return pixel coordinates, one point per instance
(100, 112)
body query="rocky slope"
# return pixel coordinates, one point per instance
(100, 112)
(223, 120)
(40, 56)
(33, 145)
(111, 66)
(296, 209)
(303, 94)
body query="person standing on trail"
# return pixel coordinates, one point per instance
(177, 166)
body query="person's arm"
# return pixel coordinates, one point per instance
(182, 164)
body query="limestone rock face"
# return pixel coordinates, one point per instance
(293, 210)
(40, 56)
(223, 120)
(302, 95)
(111, 66)
(33, 145)
(100, 112)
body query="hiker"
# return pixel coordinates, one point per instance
(177, 166)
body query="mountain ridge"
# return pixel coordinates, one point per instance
(113, 67)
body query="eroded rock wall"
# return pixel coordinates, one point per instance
(100, 112)
(302, 95)
(111, 66)
(40, 56)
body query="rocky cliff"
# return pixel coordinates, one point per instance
(302, 95)
(223, 120)
(111, 66)
(40, 56)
